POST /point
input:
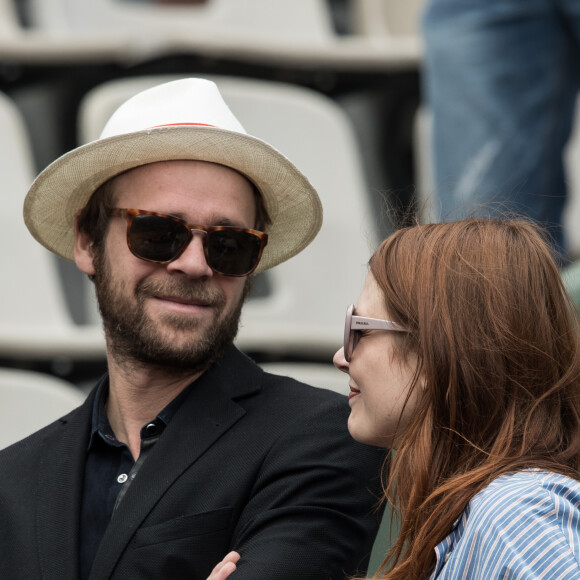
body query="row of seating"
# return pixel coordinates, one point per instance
(39, 307)
(383, 36)
(291, 318)
(49, 314)
(309, 128)
(47, 310)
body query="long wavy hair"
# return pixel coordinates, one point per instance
(497, 342)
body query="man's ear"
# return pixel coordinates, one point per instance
(83, 251)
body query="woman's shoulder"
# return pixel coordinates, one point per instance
(518, 522)
(525, 488)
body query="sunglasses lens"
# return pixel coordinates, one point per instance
(233, 253)
(157, 238)
(353, 341)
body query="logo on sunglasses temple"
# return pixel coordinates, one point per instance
(155, 237)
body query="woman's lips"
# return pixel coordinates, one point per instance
(353, 393)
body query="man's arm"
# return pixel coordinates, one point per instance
(313, 510)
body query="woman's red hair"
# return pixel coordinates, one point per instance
(499, 368)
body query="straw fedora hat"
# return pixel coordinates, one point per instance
(182, 119)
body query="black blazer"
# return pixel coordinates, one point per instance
(251, 461)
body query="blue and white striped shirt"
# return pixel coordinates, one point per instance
(522, 526)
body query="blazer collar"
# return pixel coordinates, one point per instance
(236, 375)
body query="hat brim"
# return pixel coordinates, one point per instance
(65, 186)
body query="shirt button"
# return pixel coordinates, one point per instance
(122, 478)
(151, 429)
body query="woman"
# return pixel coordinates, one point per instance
(474, 381)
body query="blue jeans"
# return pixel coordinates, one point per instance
(501, 78)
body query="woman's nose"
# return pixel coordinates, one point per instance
(339, 361)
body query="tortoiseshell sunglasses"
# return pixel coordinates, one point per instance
(155, 237)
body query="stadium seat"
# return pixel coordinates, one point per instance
(30, 400)
(35, 321)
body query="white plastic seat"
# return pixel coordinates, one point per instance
(35, 322)
(30, 400)
(305, 310)
(22, 45)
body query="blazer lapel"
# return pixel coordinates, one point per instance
(60, 479)
(206, 413)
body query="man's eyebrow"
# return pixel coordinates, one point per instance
(225, 222)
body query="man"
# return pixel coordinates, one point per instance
(186, 449)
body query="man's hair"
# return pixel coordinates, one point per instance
(498, 376)
(94, 218)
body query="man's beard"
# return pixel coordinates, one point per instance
(132, 337)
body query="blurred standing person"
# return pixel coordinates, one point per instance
(501, 79)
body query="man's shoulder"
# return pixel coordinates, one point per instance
(284, 382)
(284, 406)
(21, 451)
(279, 389)
(301, 398)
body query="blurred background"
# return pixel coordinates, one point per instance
(335, 85)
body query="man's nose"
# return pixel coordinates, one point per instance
(192, 261)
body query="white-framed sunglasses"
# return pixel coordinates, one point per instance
(353, 325)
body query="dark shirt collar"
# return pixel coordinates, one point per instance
(100, 426)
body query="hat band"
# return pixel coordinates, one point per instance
(180, 124)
